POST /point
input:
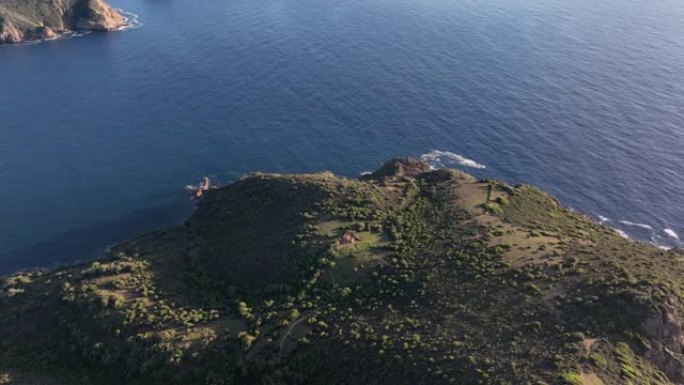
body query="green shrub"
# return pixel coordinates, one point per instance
(572, 378)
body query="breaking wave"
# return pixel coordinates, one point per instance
(439, 159)
(671, 233)
(59, 36)
(132, 21)
(642, 225)
(665, 240)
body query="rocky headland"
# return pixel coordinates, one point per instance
(407, 276)
(33, 20)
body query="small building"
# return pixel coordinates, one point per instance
(349, 238)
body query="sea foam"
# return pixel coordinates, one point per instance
(132, 21)
(671, 233)
(642, 225)
(438, 158)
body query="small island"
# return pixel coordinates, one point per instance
(34, 20)
(406, 276)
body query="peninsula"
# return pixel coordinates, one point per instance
(33, 20)
(406, 276)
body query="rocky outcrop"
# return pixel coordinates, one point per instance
(666, 328)
(31, 20)
(10, 35)
(400, 167)
(95, 15)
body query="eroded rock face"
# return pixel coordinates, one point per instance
(666, 328)
(95, 15)
(10, 35)
(30, 20)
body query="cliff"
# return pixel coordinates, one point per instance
(407, 276)
(29, 20)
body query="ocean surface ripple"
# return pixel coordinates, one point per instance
(98, 135)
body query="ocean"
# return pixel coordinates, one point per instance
(100, 133)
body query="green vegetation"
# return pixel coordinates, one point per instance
(407, 276)
(572, 378)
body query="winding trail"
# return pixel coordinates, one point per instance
(292, 326)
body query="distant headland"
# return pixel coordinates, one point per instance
(34, 20)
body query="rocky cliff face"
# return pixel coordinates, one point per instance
(28, 20)
(666, 329)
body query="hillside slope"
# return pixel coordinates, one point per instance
(408, 276)
(27, 20)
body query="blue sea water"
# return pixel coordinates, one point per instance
(99, 134)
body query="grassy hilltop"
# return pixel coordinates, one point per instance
(408, 276)
(27, 20)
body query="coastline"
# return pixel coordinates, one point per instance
(405, 237)
(641, 230)
(131, 22)
(104, 248)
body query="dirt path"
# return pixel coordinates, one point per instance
(304, 316)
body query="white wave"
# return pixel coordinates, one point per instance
(58, 36)
(438, 158)
(622, 233)
(366, 173)
(666, 248)
(132, 21)
(603, 219)
(671, 233)
(642, 225)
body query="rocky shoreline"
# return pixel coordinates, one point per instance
(36, 20)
